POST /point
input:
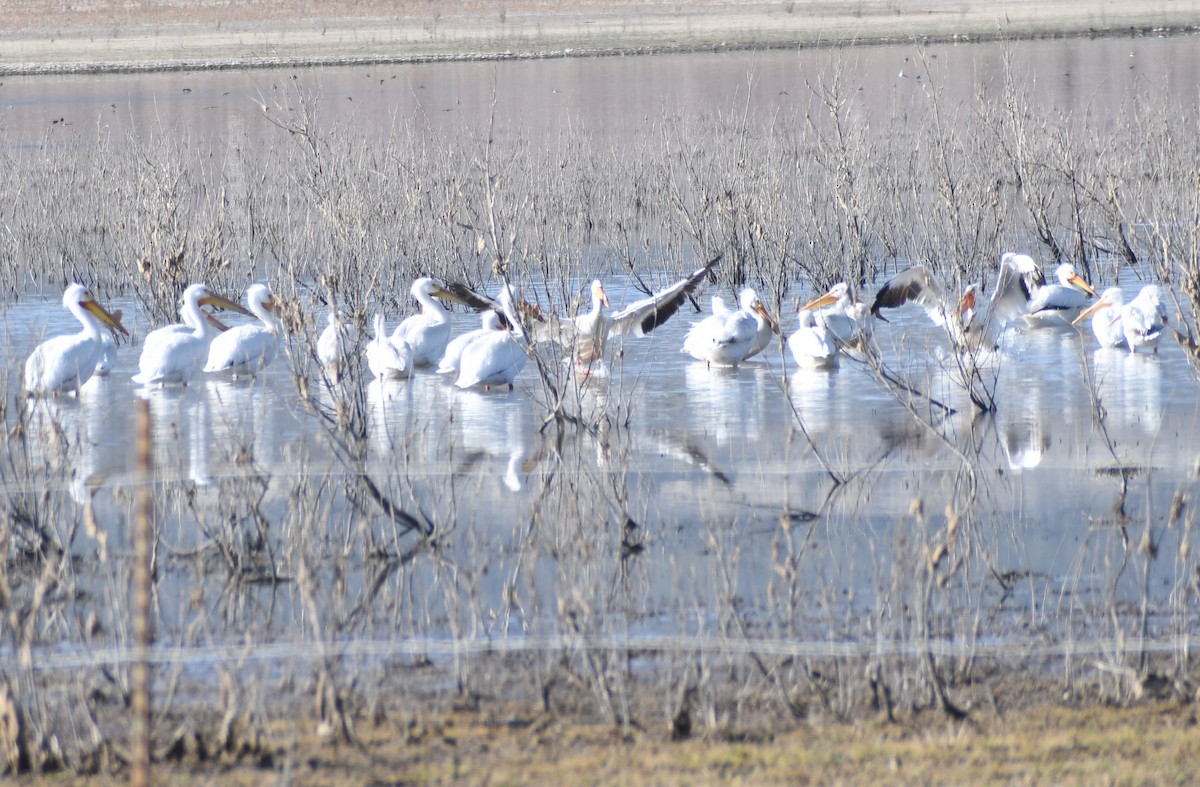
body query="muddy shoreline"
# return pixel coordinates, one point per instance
(40, 38)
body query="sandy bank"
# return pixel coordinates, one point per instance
(40, 37)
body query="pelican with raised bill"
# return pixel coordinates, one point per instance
(1059, 304)
(1107, 324)
(727, 337)
(245, 350)
(969, 322)
(66, 363)
(428, 332)
(174, 354)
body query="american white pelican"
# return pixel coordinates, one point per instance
(849, 323)
(247, 349)
(811, 345)
(727, 337)
(490, 321)
(969, 322)
(496, 357)
(1107, 324)
(426, 333)
(1059, 304)
(332, 346)
(386, 358)
(1145, 319)
(587, 335)
(174, 353)
(65, 363)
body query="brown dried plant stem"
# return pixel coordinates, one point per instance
(143, 636)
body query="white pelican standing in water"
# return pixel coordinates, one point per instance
(969, 322)
(848, 322)
(247, 349)
(587, 335)
(496, 357)
(331, 346)
(1144, 319)
(727, 337)
(65, 363)
(489, 321)
(1061, 303)
(1107, 324)
(386, 358)
(426, 333)
(174, 353)
(811, 345)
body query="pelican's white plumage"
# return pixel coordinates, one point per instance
(969, 322)
(1107, 324)
(1061, 303)
(332, 346)
(849, 323)
(497, 356)
(247, 349)
(811, 345)
(386, 358)
(174, 354)
(426, 333)
(1144, 319)
(726, 337)
(66, 363)
(490, 321)
(587, 334)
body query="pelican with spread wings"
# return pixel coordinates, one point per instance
(970, 322)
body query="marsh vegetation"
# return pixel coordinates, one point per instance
(690, 558)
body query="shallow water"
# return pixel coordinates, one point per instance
(701, 494)
(708, 455)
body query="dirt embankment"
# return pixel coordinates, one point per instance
(42, 36)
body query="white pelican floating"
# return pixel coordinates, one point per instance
(386, 358)
(728, 336)
(848, 322)
(245, 350)
(969, 323)
(811, 346)
(1144, 319)
(497, 356)
(65, 363)
(332, 346)
(174, 353)
(1107, 324)
(1059, 304)
(489, 321)
(426, 333)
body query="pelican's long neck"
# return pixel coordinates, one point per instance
(260, 311)
(91, 326)
(193, 317)
(431, 306)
